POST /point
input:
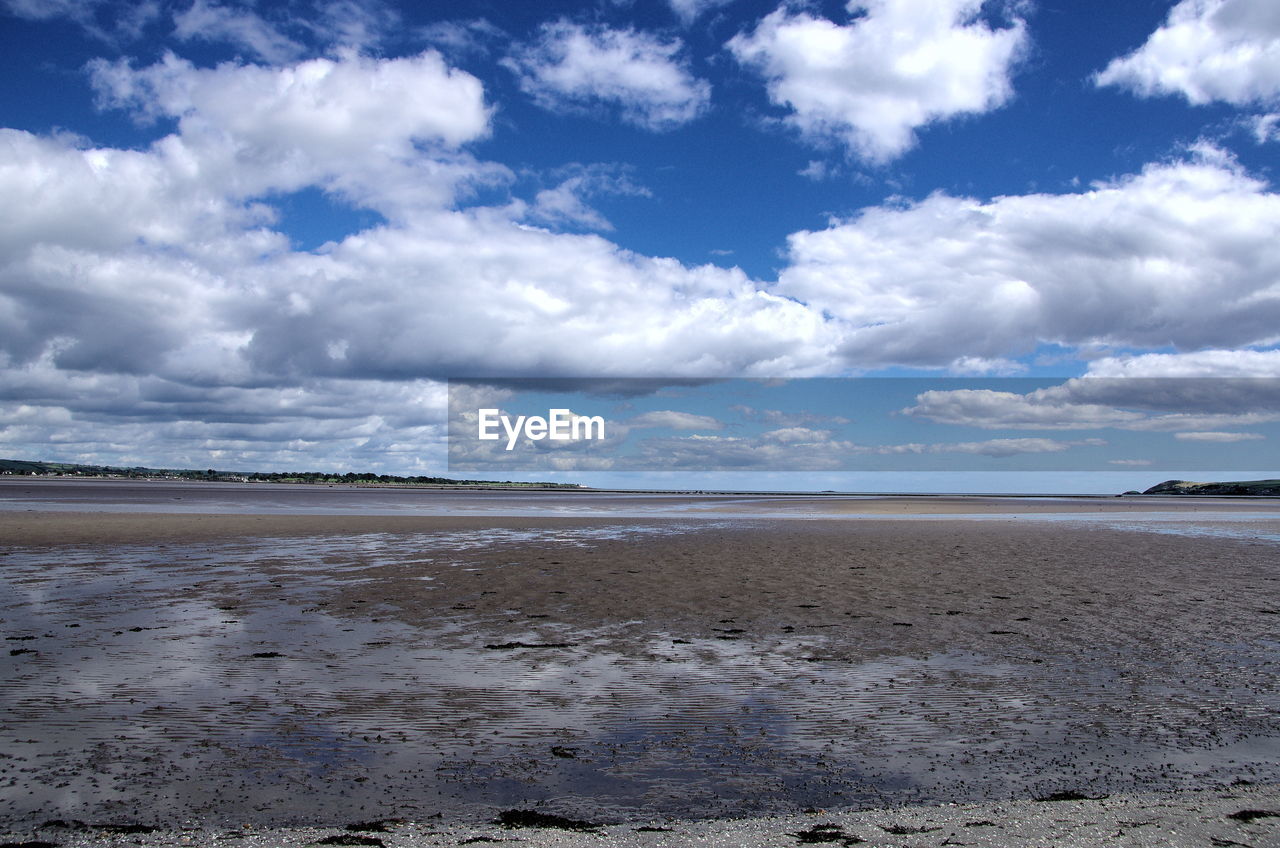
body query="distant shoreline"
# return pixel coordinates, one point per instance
(577, 489)
(42, 470)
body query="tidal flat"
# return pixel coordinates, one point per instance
(680, 667)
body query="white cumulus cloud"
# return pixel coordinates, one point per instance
(573, 66)
(143, 289)
(1264, 364)
(1041, 409)
(1207, 50)
(675, 420)
(1213, 436)
(325, 107)
(1013, 447)
(205, 21)
(351, 124)
(1150, 405)
(897, 66)
(1182, 254)
(536, 303)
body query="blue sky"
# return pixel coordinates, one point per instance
(263, 235)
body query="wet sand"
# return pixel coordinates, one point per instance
(215, 500)
(302, 669)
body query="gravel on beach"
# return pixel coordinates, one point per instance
(1239, 816)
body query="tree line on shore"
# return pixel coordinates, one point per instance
(20, 467)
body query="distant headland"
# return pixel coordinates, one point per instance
(22, 467)
(1237, 488)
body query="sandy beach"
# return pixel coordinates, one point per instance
(924, 666)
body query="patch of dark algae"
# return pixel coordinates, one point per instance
(1250, 815)
(1070, 795)
(822, 833)
(349, 839)
(379, 826)
(905, 830)
(532, 818)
